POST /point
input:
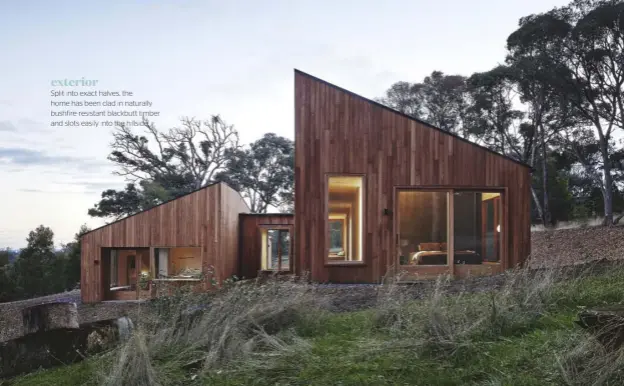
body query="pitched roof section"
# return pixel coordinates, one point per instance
(163, 203)
(411, 118)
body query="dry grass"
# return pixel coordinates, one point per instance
(445, 323)
(276, 332)
(191, 334)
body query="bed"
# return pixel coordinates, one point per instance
(437, 254)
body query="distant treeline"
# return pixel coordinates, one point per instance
(39, 269)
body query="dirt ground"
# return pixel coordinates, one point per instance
(576, 246)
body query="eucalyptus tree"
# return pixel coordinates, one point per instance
(578, 51)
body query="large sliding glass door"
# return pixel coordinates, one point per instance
(448, 230)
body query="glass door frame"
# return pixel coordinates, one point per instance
(291, 248)
(429, 271)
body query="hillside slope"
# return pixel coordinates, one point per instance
(576, 246)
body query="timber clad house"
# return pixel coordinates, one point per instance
(376, 192)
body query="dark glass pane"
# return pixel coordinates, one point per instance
(285, 249)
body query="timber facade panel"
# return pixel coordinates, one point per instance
(362, 172)
(338, 132)
(206, 218)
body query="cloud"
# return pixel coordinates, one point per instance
(15, 156)
(25, 126)
(96, 186)
(7, 126)
(27, 121)
(4, 102)
(77, 186)
(48, 191)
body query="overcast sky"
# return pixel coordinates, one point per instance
(198, 58)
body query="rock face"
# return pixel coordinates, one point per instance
(53, 336)
(51, 316)
(606, 323)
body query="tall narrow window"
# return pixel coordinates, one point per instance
(345, 218)
(275, 250)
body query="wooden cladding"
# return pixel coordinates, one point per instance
(207, 218)
(250, 237)
(338, 132)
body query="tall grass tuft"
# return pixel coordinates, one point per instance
(447, 321)
(199, 333)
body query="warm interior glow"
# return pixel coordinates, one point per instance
(423, 221)
(345, 218)
(423, 235)
(179, 262)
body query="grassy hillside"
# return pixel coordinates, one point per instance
(280, 333)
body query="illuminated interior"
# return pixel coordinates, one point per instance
(178, 263)
(124, 268)
(275, 250)
(423, 224)
(345, 218)
(423, 218)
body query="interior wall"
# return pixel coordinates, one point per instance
(417, 219)
(356, 226)
(346, 201)
(144, 257)
(125, 274)
(184, 257)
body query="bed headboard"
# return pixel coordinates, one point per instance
(429, 247)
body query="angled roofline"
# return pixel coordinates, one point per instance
(166, 202)
(410, 118)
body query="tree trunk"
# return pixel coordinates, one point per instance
(537, 203)
(607, 193)
(546, 218)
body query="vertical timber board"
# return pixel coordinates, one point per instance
(232, 206)
(189, 221)
(339, 132)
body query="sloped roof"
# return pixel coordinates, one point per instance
(411, 118)
(163, 203)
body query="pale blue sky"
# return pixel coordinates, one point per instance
(198, 58)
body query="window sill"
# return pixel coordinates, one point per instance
(178, 279)
(344, 263)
